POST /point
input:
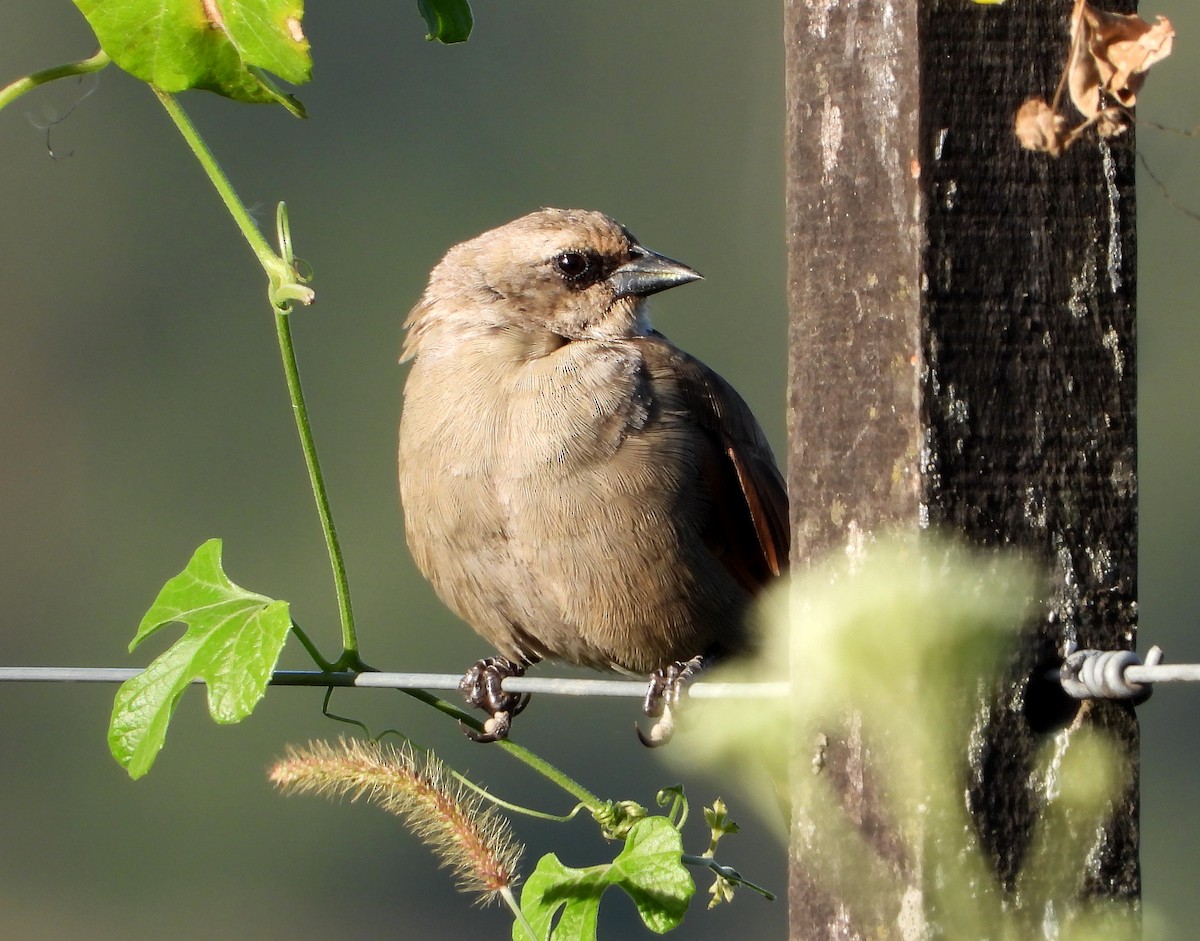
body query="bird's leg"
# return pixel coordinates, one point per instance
(482, 685)
(668, 686)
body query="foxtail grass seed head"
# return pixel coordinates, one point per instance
(471, 840)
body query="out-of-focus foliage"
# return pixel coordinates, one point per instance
(891, 648)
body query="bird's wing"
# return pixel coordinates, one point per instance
(749, 529)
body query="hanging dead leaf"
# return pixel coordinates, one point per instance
(1107, 63)
(1110, 56)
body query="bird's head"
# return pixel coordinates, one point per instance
(564, 274)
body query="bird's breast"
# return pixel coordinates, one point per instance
(574, 408)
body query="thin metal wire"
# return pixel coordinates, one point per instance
(563, 686)
(1084, 674)
(1164, 673)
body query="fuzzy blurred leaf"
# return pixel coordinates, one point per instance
(449, 21)
(1082, 774)
(648, 869)
(232, 642)
(223, 46)
(898, 648)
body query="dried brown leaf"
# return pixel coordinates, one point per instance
(1110, 56)
(1040, 128)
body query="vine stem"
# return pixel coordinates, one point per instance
(286, 286)
(725, 872)
(323, 665)
(287, 351)
(589, 800)
(26, 83)
(551, 773)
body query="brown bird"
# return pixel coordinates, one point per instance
(575, 486)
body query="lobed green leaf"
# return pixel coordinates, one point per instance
(649, 869)
(232, 642)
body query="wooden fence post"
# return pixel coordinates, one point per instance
(962, 354)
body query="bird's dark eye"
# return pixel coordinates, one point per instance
(575, 266)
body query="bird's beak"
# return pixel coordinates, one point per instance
(648, 274)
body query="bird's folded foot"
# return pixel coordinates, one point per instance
(482, 685)
(668, 687)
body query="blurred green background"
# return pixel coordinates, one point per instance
(142, 411)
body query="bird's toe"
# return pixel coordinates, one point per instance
(667, 689)
(483, 688)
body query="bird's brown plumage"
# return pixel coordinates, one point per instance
(575, 486)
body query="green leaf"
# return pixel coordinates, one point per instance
(648, 869)
(232, 642)
(448, 20)
(224, 46)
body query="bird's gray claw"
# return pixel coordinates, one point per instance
(660, 732)
(483, 688)
(494, 729)
(668, 688)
